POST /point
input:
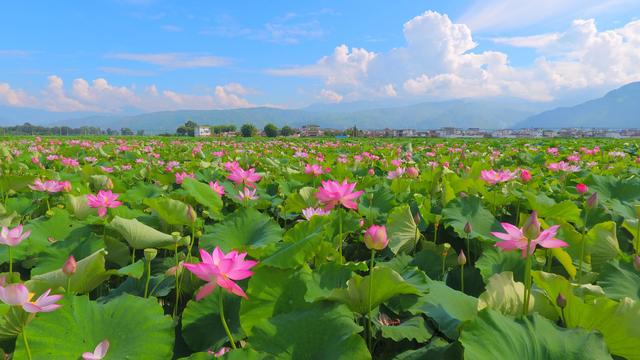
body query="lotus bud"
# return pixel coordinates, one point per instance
(582, 188)
(150, 254)
(198, 233)
(531, 227)
(371, 172)
(592, 201)
(461, 258)
(636, 262)
(205, 213)
(413, 172)
(468, 228)
(70, 266)
(108, 184)
(176, 236)
(561, 301)
(375, 238)
(525, 176)
(417, 218)
(191, 214)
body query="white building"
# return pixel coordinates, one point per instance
(200, 131)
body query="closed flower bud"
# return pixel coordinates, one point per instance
(531, 227)
(525, 175)
(461, 258)
(70, 266)
(417, 218)
(592, 201)
(636, 262)
(582, 188)
(561, 301)
(191, 214)
(468, 228)
(150, 254)
(376, 237)
(413, 172)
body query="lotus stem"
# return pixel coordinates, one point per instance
(26, 343)
(223, 320)
(146, 284)
(527, 281)
(584, 233)
(10, 264)
(462, 278)
(370, 327)
(178, 275)
(340, 237)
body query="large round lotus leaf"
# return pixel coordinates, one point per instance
(620, 280)
(402, 230)
(203, 194)
(322, 332)
(246, 230)
(301, 244)
(461, 211)
(89, 274)
(135, 327)
(492, 335)
(201, 326)
(139, 235)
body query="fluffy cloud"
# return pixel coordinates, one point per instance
(439, 61)
(100, 96)
(330, 96)
(13, 97)
(343, 67)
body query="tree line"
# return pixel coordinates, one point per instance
(30, 129)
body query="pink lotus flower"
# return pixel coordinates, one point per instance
(102, 201)
(332, 193)
(13, 237)
(183, 175)
(244, 177)
(50, 186)
(215, 186)
(223, 350)
(493, 177)
(247, 194)
(18, 295)
(315, 169)
(413, 172)
(515, 238)
(308, 213)
(394, 174)
(98, 353)
(582, 188)
(376, 237)
(218, 269)
(525, 175)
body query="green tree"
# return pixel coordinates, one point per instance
(140, 132)
(270, 130)
(286, 131)
(126, 131)
(248, 130)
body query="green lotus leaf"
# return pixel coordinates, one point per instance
(620, 280)
(173, 212)
(402, 230)
(414, 328)
(203, 194)
(141, 236)
(90, 273)
(465, 210)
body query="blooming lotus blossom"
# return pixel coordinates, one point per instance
(223, 350)
(217, 188)
(308, 213)
(231, 165)
(19, 295)
(515, 238)
(315, 169)
(183, 175)
(103, 200)
(13, 237)
(332, 193)
(98, 353)
(244, 177)
(247, 194)
(493, 177)
(218, 269)
(50, 186)
(376, 237)
(562, 166)
(394, 174)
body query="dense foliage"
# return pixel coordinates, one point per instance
(319, 249)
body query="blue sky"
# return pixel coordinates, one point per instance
(157, 55)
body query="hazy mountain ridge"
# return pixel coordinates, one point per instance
(619, 108)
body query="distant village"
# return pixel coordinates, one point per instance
(450, 132)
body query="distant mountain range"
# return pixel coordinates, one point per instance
(619, 108)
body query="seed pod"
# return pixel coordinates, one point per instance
(150, 254)
(531, 227)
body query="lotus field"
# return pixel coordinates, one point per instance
(157, 248)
